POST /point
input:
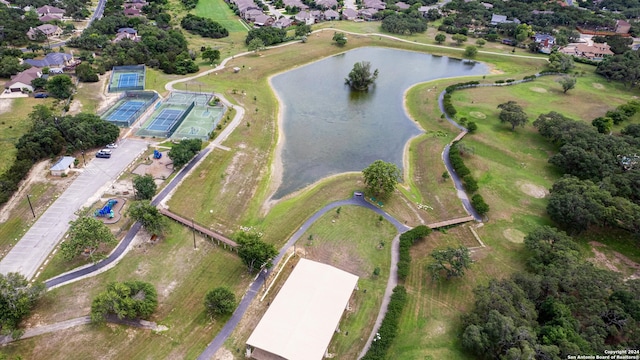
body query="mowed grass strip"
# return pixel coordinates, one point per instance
(181, 276)
(219, 11)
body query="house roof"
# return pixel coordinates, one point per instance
(47, 29)
(595, 49)
(402, 5)
(127, 30)
(63, 163)
(24, 77)
(331, 14)
(50, 17)
(349, 13)
(283, 22)
(327, 3)
(51, 59)
(301, 320)
(543, 37)
(131, 11)
(43, 10)
(262, 19)
(303, 15)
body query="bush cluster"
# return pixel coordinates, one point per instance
(448, 106)
(585, 61)
(529, 78)
(470, 183)
(407, 239)
(389, 327)
(203, 27)
(478, 203)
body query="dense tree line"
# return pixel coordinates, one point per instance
(16, 23)
(469, 182)
(17, 297)
(189, 4)
(10, 62)
(602, 186)
(406, 24)
(184, 151)
(203, 27)
(50, 136)
(407, 239)
(269, 35)
(389, 326)
(562, 305)
(622, 68)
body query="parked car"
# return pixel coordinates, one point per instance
(103, 155)
(106, 151)
(112, 146)
(41, 95)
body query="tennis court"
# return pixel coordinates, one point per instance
(128, 80)
(200, 122)
(125, 111)
(125, 78)
(165, 119)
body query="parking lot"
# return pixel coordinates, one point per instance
(30, 252)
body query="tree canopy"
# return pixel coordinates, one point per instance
(126, 300)
(254, 252)
(269, 35)
(361, 77)
(513, 114)
(220, 301)
(17, 297)
(203, 26)
(149, 216)
(451, 261)
(381, 177)
(339, 38)
(60, 86)
(567, 83)
(405, 24)
(144, 186)
(184, 151)
(86, 234)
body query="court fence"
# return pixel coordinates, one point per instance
(140, 70)
(148, 96)
(169, 132)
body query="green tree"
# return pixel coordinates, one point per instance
(86, 73)
(213, 55)
(360, 76)
(478, 203)
(17, 297)
(39, 83)
(254, 252)
(60, 86)
(86, 234)
(184, 151)
(472, 127)
(303, 30)
(603, 124)
(381, 177)
(567, 83)
(470, 51)
(458, 38)
(513, 114)
(560, 62)
(126, 300)
(144, 186)
(255, 45)
(523, 32)
(10, 65)
(220, 301)
(452, 261)
(440, 38)
(480, 42)
(339, 38)
(149, 216)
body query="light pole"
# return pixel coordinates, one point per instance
(29, 200)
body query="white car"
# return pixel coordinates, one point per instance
(105, 151)
(112, 146)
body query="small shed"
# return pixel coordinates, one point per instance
(62, 166)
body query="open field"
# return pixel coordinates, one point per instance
(181, 276)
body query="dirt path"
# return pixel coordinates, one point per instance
(36, 174)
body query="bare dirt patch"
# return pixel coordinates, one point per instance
(338, 255)
(533, 190)
(538, 90)
(614, 261)
(75, 107)
(5, 105)
(160, 169)
(598, 86)
(513, 235)
(477, 115)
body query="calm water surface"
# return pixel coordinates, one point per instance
(329, 129)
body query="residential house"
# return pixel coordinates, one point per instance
(304, 17)
(402, 5)
(245, 5)
(330, 15)
(317, 15)
(544, 40)
(126, 33)
(47, 29)
(61, 168)
(502, 19)
(622, 27)
(136, 5)
(424, 10)
(367, 14)
(295, 3)
(593, 52)
(51, 11)
(51, 60)
(282, 23)
(374, 4)
(263, 20)
(349, 14)
(251, 14)
(487, 5)
(327, 4)
(132, 12)
(22, 80)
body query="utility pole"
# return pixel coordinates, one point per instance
(29, 200)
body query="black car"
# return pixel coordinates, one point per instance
(102, 154)
(41, 95)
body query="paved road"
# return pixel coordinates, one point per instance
(228, 328)
(34, 247)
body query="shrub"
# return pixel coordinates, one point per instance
(407, 239)
(472, 127)
(470, 184)
(478, 203)
(389, 327)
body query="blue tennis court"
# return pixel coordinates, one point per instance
(165, 120)
(125, 111)
(127, 80)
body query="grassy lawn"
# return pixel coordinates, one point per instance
(181, 276)
(219, 11)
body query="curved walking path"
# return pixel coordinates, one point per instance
(231, 324)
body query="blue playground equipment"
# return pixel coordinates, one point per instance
(106, 210)
(157, 154)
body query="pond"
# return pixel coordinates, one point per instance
(330, 129)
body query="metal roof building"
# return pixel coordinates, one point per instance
(301, 320)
